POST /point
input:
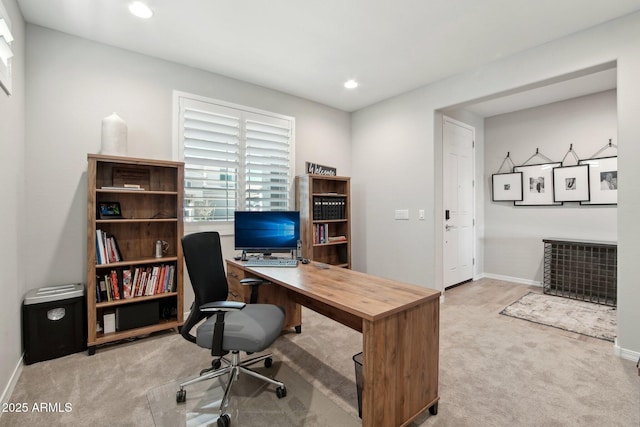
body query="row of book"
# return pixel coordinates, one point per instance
(327, 207)
(321, 235)
(141, 281)
(107, 250)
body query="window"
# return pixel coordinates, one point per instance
(236, 158)
(5, 50)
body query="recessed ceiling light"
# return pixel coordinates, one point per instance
(140, 10)
(351, 84)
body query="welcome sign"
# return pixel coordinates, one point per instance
(316, 169)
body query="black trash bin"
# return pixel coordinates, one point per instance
(54, 322)
(357, 359)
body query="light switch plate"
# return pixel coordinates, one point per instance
(402, 214)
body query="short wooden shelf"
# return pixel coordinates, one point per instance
(334, 223)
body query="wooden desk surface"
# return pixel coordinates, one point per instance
(400, 332)
(362, 295)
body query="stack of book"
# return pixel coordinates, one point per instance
(321, 235)
(107, 250)
(141, 281)
(329, 207)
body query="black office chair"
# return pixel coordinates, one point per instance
(235, 327)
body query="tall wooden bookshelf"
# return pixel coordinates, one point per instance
(325, 218)
(150, 195)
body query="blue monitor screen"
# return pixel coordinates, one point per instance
(273, 231)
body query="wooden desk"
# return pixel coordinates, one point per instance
(399, 324)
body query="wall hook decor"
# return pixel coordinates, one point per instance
(537, 154)
(575, 156)
(606, 146)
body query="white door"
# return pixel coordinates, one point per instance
(458, 202)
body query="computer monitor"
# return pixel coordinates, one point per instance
(267, 232)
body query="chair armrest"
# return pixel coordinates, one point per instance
(250, 281)
(212, 307)
(254, 282)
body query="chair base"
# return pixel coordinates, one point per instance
(235, 367)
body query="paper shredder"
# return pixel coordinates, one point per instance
(54, 322)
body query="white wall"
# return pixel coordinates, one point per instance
(513, 245)
(404, 175)
(73, 83)
(12, 285)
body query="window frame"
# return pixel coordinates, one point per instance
(226, 227)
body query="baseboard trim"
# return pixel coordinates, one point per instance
(13, 380)
(512, 279)
(624, 353)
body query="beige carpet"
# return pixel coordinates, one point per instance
(252, 402)
(593, 320)
(495, 370)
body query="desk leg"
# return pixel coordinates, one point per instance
(400, 365)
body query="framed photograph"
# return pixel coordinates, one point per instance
(507, 187)
(603, 180)
(571, 183)
(537, 184)
(109, 210)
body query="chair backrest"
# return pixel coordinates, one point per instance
(203, 258)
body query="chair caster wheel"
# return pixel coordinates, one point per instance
(224, 420)
(281, 392)
(181, 396)
(216, 364)
(268, 362)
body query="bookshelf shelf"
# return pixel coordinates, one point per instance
(102, 338)
(151, 213)
(132, 220)
(322, 221)
(324, 205)
(139, 261)
(342, 242)
(134, 300)
(136, 192)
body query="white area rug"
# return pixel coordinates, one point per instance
(594, 320)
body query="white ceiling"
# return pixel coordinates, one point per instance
(309, 48)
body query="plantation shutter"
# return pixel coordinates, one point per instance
(267, 163)
(234, 159)
(211, 141)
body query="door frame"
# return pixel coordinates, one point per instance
(442, 221)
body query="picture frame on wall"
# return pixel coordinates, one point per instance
(506, 187)
(571, 183)
(603, 180)
(537, 184)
